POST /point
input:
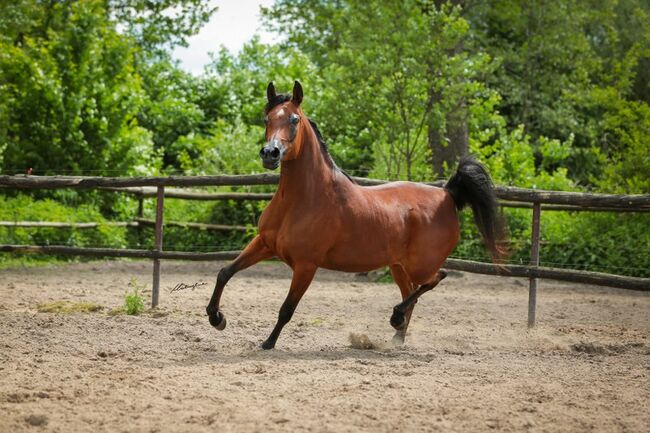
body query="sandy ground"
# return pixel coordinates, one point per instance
(469, 363)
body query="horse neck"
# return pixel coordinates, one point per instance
(309, 175)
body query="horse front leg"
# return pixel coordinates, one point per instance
(302, 277)
(254, 252)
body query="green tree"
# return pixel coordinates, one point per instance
(571, 71)
(172, 111)
(392, 95)
(242, 78)
(69, 91)
(79, 96)
(160, 25)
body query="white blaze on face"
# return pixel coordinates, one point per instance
(280, 113)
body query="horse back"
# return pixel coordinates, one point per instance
(382, 225)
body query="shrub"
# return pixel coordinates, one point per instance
(22, 207)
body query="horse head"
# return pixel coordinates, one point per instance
(284, 122)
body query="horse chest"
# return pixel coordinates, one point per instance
(296, 236)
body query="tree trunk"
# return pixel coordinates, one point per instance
(451, 143)
(457, 134)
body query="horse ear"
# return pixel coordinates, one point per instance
(270, 92)
(296, 94)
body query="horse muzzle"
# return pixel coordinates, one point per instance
(271, 155)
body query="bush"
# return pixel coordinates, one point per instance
(25, 208)
(617, 243)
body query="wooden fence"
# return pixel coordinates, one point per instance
(144, 187)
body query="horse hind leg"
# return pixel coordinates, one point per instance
(402, 312)
(406, 287)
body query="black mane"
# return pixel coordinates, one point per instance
(325, 151)
(323, 145)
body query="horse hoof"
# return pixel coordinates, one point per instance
(397, 320)
(267, 345)
(218, 320)
(398, 339)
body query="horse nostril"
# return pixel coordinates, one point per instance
(262, 153)
(275, 152)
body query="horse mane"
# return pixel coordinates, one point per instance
(284, 97)
(325, 151)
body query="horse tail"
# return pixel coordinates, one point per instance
(471, 184)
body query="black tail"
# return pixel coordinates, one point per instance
(471, 184)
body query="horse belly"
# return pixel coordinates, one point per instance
(353, 265)
(366, 250)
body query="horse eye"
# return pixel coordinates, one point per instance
(295, 119)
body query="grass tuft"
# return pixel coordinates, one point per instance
(67, 307)
(133, 302)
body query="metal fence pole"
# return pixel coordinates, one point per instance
(160, 203)
(534, 261)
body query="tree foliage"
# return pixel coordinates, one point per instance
(569, 71)
(162, 24)
(573, 71)
(551, 94)
(393, 88)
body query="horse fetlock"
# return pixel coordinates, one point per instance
(217, 320)
(398, 319)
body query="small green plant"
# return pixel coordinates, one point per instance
(316, 322)
(133, 302)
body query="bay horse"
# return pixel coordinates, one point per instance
(319, 217)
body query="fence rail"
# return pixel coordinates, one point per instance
(145, 192)
(138, 222)
(145, 187)
(575, 276)
(581, 199)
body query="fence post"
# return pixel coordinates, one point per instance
(139, 217)
(160, 198)
(140, 205)
(534, 261)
